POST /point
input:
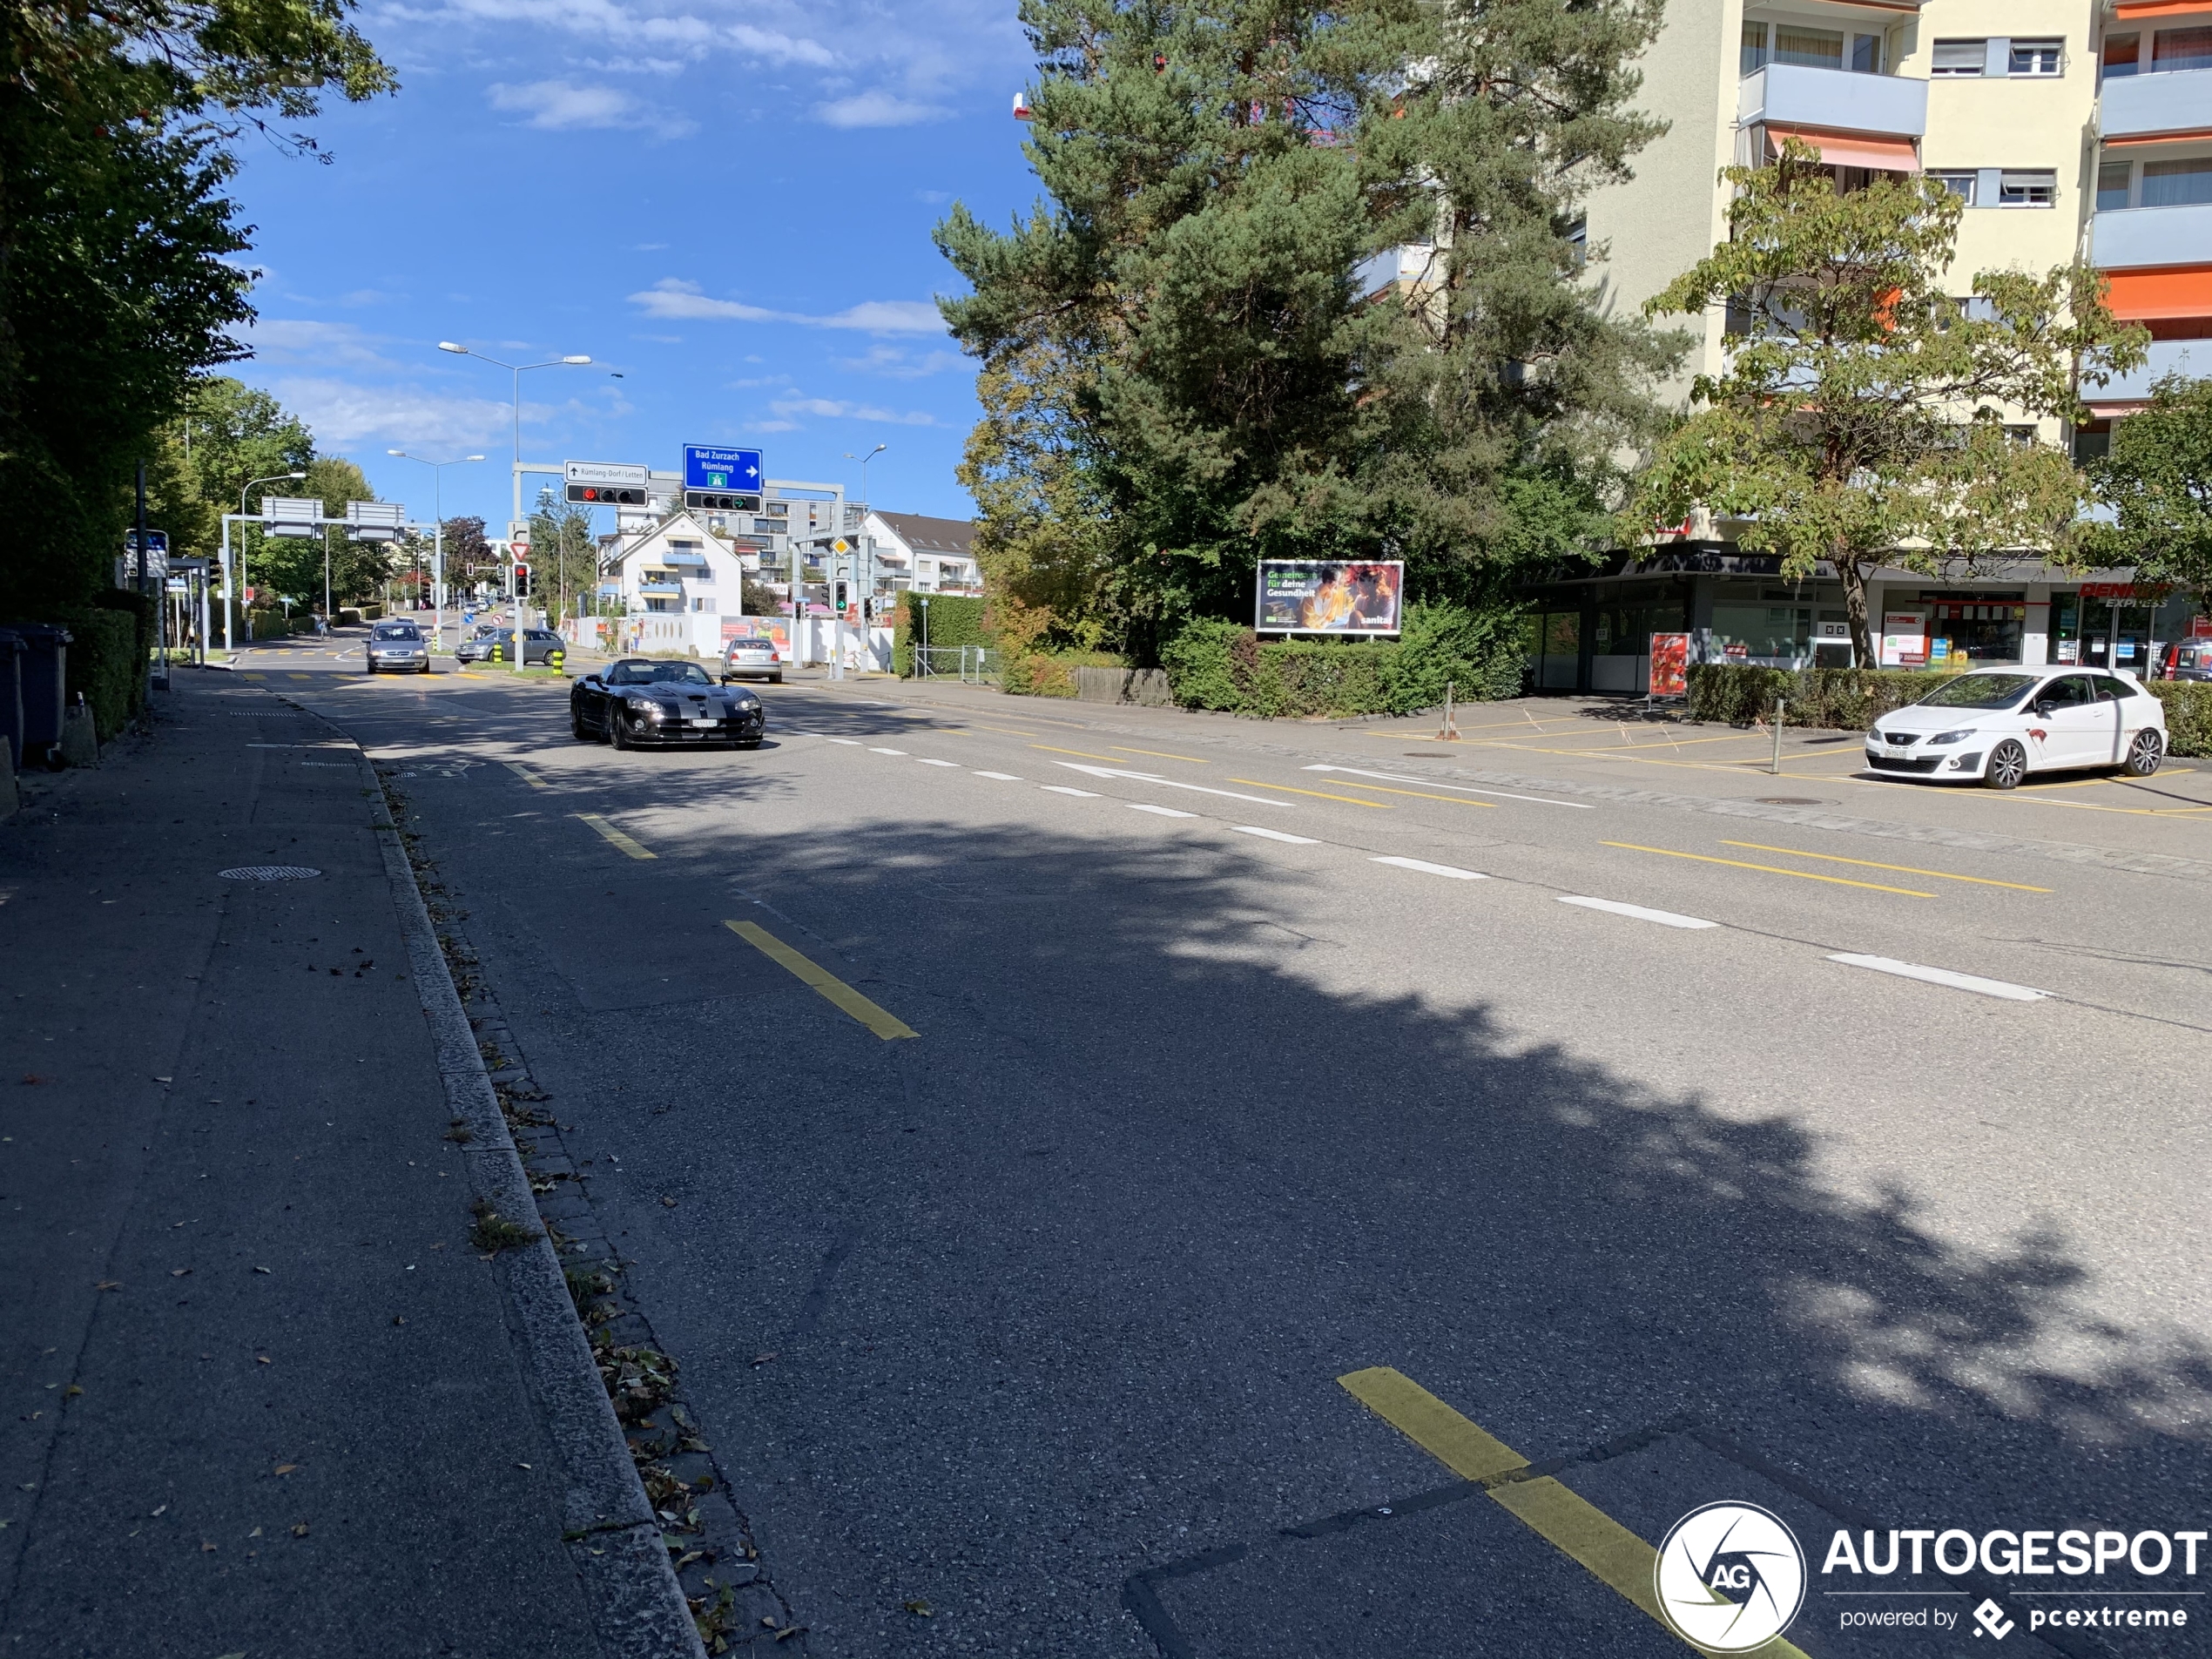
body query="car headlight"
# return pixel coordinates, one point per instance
(653, 711)
(1953, 737)
(747, 704)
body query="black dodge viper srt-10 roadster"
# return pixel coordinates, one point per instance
(640, 703)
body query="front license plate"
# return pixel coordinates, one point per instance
(706, 722)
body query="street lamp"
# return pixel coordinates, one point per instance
(864, 461)
(517, 370)
(438, 556)
(869, 541)
(229, 594)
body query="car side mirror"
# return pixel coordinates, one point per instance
(729, 679)
(2044, 708)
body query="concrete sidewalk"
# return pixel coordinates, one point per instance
(269, 1398)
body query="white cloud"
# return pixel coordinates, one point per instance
(877, 109)
(563, 107)
(339, 413)
(674, 300)
(311, 343)
(838, 409)
(897, 363)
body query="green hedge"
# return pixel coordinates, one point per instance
(105, 663)
(955, 619)
(1051, 673)
(1215, 664)
(2189, 716)
(1853, 699)
(139, 607)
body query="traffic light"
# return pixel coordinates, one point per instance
(717, 501)
(606, 495)
(522, 580)
(840, 601)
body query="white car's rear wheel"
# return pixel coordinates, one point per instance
(2007, 765)
(2144, 753)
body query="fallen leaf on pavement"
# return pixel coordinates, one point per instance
(262, 1360)
(789, 1631)
(179, 1272)
(109, 1285)
(206, 1548)
(762, 1358)
(284, 1468)
(919, 1610)
(299, 1531)
(160, 1511)
(670, 1202)
(261, 1270)
(72, 1389)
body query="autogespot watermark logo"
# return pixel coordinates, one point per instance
(1730, 1577)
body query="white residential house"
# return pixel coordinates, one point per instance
(680, 588)
(928, 555)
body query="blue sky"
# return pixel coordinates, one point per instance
(729, 201)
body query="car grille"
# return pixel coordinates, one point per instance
(1900, 740)
(1901, 763)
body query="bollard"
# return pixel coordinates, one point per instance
(1775, 765)
(554, 658)
(1450, 730)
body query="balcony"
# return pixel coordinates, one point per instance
(2190, 357)
(2169, 104)
(2138, 239)
(1833, 100)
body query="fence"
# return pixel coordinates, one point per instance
(974, 664)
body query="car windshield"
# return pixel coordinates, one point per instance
(658, 674)
(398, 630)
(1981, 691)
(751, 645)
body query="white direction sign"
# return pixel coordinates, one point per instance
(606, 472)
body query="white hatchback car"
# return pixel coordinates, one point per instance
(1996, 726)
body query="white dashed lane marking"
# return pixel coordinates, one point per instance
(926, 761)
(1003, 777)
(850, 743)
(1463, 789)
(1169, 783)
(1426, 868)
(1063, 789)
(1275, 835)
(874, 750)
(1973, 983)
(1664, 918)
(1157, 811)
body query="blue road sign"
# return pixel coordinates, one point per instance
(708, 466)
(156, 542)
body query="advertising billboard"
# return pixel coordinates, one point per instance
(1324, 597)
(1669, 665)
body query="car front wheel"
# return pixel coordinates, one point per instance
(2007, 765)
(617, 728)
(576, 728)
(2144, 753)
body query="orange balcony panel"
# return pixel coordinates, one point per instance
(2143, 296)
(2150, 10)
(1851, 149)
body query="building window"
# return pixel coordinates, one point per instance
(1866, 54)
(2036, 57)
(2177, 183)
(2182, 48)
(2113, 179)
(1960, 57)
(1810, 48)
(1578, 243)
(2027, 188)
(2121, 54)
(1960, 184)
(1753, 56)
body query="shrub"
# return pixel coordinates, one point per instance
(139, 607)
(1217, 665)
(2189, 716)
(105, 663)
(1478, 653)
(1050, 673)
(955, 619)
(1202, 665)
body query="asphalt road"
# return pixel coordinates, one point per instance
(1250, 1057)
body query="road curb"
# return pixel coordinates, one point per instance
(612, 1536)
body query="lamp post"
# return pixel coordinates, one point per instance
(229, 594)
(869, 541)
(516, 370)
(438, 555)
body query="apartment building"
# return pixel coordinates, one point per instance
(2069, 128)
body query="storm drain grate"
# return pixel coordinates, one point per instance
(270, 872)
(1792, 801)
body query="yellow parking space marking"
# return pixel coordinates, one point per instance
(528, 776)
(1350, 800)
(615, 836)
(299, 676)
(823, 983)
(1111, 760)
(1571, 1524)
(1770, 869)
(1460, 1445)
(1901, 869)
(1158, 755)
(257, 677)
(1007, 730)
(1456, 800)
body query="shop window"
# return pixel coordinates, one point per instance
(2027, 188)
(1975, 631)
(1810, 48)
(1773, 636)
(1559, 638)
(2182, 48)
(2113, 180)
(2036, 57)
(2177, 183)
(2121, 55)
(1960, 57)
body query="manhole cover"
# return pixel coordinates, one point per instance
(270, 872)
(1792, 801)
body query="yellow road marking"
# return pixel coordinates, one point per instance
(1902, 869)
(1456, 800)
(1111, 760)
(1570, 1523)
(299, 677)
(822, 981)
(1460, 1445)
(1158, 755)
(1011, 731)
(257, 677)
(615, 835)
(1770, 869)
(1353, 800)
(526, 775)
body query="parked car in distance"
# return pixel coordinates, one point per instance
(538, 646)
(750, 655)
(642, 702)
(398, 645)
(1996, 726)
(2190, 660)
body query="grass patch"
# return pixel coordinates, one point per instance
(493, 1232)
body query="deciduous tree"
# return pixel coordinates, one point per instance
(2157, 481)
